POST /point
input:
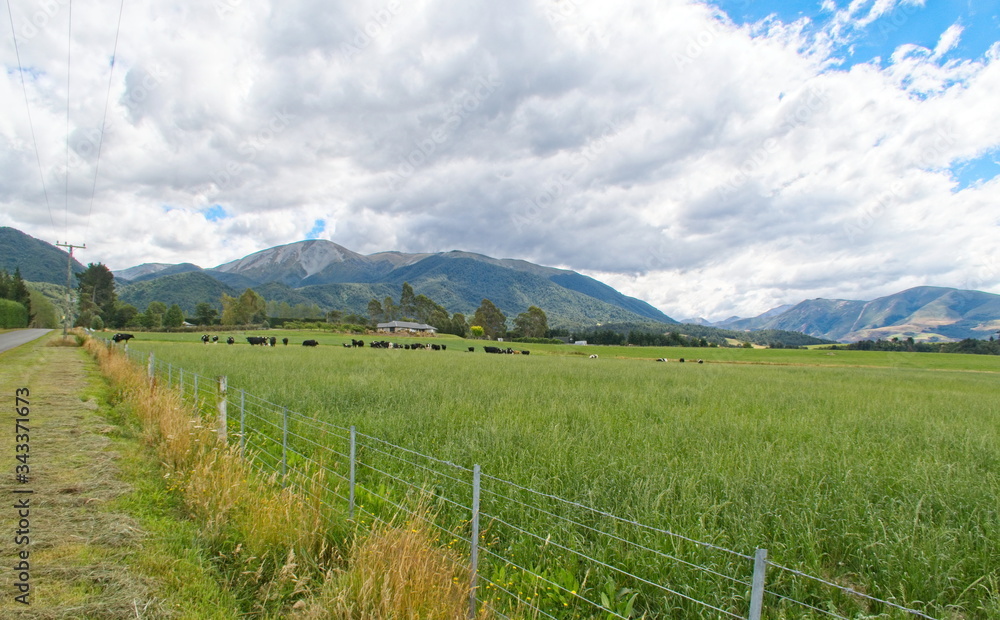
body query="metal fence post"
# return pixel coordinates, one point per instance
(474, 553)
(354, 452)
(243, 418)
(222, 406)
(284, 443)
(757, 586)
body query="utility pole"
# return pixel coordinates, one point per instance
(69, 279)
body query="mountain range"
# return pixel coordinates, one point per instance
(331, 276)
(924, 313)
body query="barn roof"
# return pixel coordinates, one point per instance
(406, 325)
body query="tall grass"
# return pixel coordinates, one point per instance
(280, 552)
(881, 479)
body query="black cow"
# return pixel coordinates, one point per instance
(272, 341)
(261, 340)
(492, 349)
(230, 340)
(122, 337)
(525, 352)
(284, 341)
(310, 343)
(357, 343)
(435, 347)
(472, 349)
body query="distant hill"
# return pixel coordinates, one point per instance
(184, 289)
(332, 276)
(924, 313)
(38, 261)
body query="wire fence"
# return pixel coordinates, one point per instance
(530, 554)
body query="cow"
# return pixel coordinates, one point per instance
(701, 361)
(122, 337)
(593, 356)
(310, 343)
(215, 339)
(261, 340)
(205, 339)
(357, 343)
(435, 347)
(472, 349)
(230, 340)
(492, 349)
(272, 341)
(681, 360)
(284, 341)
(661, 359)
(525, 352)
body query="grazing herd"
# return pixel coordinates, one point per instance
(271, 341)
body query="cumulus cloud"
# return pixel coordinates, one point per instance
(709, 167)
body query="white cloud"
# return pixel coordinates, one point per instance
(710, 168)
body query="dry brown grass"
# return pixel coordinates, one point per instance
(273, 542)
(396, 572)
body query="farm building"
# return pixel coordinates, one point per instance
(395, 327)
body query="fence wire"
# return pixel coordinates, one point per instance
(622, 567)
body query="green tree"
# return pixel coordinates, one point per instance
(152, 318)
(95, 293)
(174, 317)
(97, 324)
(390, 311)
(489, 317)
(45, 313)
(125, 315)
(249, 308)
(407, 302)
(458, 326)
(205, 313)
(533, 323)
(375, 312)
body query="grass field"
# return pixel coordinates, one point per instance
(874, 470)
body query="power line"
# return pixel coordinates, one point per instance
(104, 120)
(27, 107)
(69, 276)
(69, 49)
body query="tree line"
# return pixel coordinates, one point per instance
(487, 321)
(968, 345)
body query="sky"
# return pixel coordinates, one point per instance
(713, 159)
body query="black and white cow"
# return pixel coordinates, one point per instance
(122, 337)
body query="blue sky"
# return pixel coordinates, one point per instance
(908, 23)
(712, 165)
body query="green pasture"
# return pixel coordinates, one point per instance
(877, 471)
